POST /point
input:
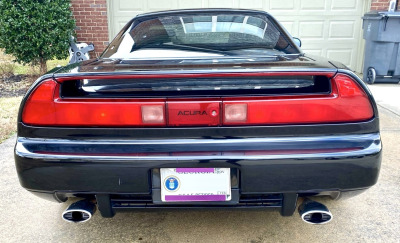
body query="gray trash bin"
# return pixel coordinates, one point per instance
(382, 53)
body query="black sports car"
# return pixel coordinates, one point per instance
(199, 109)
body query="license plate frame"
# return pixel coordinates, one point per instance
(195, 184)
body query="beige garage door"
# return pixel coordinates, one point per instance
(328, 28)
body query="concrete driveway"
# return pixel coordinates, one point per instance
(373, 216)
(387, 96)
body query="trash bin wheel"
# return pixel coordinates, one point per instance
(371, 75)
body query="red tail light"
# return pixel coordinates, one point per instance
(45, 107)
(346, 103)
(39, 108)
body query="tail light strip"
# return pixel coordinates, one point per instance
(347, 103)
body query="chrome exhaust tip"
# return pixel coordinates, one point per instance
(79, 212)
(313, 212)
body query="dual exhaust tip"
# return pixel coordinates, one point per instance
(311, 212)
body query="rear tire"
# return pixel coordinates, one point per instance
(371, 75)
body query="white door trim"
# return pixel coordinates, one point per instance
(361, 42)
(110, 18)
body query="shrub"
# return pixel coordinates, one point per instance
(36, 31)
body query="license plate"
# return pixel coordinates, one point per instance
(195, 184)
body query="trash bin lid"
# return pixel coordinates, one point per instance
(381, 14)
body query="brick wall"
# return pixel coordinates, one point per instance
(382, 4)
(91, 23)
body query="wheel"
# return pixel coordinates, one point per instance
(371, 75)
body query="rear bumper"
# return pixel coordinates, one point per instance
(266, 173)
(264, 165)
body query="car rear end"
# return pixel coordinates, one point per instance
(321, 138)
(218, 129)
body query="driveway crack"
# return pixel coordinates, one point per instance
(389, 110)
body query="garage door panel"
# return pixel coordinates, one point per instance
(185, 4)
(314, 5)
(318, 29)
(342, 29)
(290, 26)
(329, 42)
(327, 18)
(330, 28)
(253, 4)
(129, 5)
(345, 56)
(221, 4)
(119, 23)
(314, 52)
(344, 5)
(311, 30)
(288, 5)
(343, 53)
(157, 5)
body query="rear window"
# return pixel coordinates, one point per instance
(201, 34)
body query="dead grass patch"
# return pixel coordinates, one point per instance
(14, 86)
(8, 116)
(7, 65)
(15, 79)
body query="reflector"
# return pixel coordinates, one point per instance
(153, 114)
(236, 113)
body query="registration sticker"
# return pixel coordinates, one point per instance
(195, 184)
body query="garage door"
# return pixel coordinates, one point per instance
(328, 28)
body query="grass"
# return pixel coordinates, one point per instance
(10, 96)
(25, 69)
(8, 116)
(11, 90)
(54, 63)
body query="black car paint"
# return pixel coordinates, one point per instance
(58, 178)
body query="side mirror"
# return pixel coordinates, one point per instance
(297, 41)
